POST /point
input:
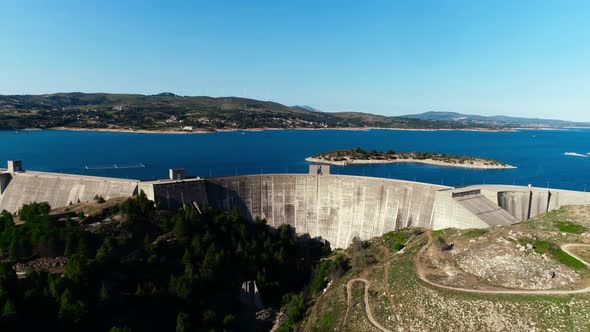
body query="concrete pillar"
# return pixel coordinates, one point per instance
(319, 169)
(176, 174)
(15, 166)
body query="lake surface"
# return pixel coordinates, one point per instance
(538, 154)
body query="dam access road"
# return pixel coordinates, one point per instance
(336, 208)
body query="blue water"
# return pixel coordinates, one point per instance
(539, 154)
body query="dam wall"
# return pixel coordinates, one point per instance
(515, 202)
(336, 208)
(59, 190)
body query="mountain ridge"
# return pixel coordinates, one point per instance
(495, 120)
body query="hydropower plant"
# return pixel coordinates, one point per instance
(336, 208)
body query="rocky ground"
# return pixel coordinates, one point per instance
(49, 264)
(494, 259)
(504, 264)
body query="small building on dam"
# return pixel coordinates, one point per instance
(336, 208)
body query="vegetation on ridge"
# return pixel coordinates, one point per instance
(167, 111)
(359, 154)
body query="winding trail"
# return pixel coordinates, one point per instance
(565, 247)
(422, 275)
(367, 307)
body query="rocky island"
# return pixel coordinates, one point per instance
(360, 156)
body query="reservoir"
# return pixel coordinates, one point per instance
(540, 155)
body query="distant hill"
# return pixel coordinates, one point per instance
(167, 111)
(498, 120)
(307, 108)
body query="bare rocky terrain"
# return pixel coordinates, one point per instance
(524, 257)
(504, 265)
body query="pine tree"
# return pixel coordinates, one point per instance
(8, 310)
(182, 322)
(104, 295)
(106, 252)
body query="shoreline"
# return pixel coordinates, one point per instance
(414, 161)
(211, 131)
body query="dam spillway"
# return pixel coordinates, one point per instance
(336, 208)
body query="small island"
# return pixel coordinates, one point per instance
(359, 156)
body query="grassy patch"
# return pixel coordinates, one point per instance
(548, 220)
(550, 248)
(438, 232)
(327, 322)
(570, 227)
(396, 240)
(475, 233)
(560, 219)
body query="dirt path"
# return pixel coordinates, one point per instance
(421, 274)
(367, 307)
(566, 248)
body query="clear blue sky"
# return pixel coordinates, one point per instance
(513, 57)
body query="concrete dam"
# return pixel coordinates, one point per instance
(336, 208)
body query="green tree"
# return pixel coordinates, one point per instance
(6, 220)
(183, 322)
(7, 277)
(103, 295)
(70, 311)
(76, 268)
(32, 212)
(82, 246)
(8, 310)
(182, 228)
(181, 287)
(295, 307)
(18, 248)
(229, 322)
(106, 252)
(119, 329)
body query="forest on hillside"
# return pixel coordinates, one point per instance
(154, 270)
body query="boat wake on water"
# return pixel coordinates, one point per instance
(575, 154)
